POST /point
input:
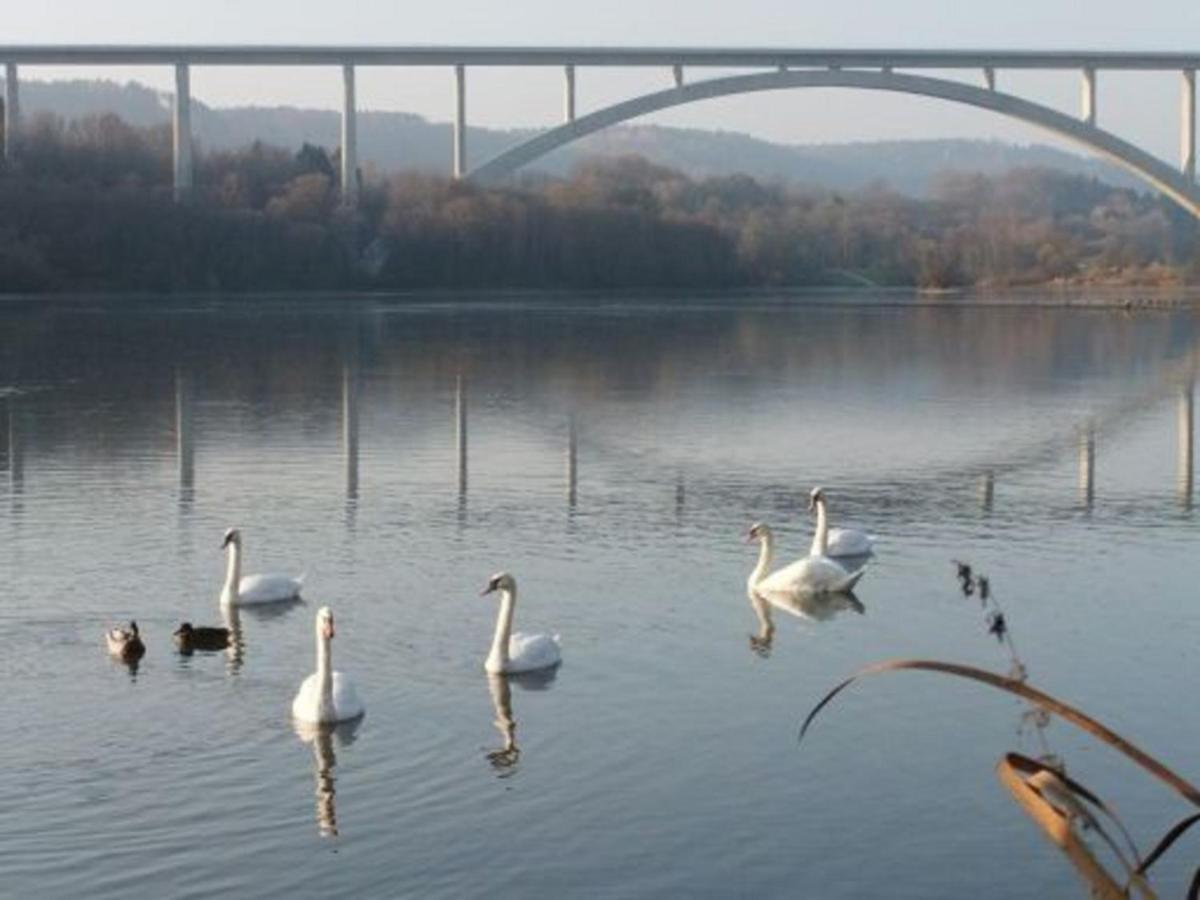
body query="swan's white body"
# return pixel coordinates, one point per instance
(837, 542)
(326, 696)
(816, 574)
(247, 590)
(849, 542)
(514, 652)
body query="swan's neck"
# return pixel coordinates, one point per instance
(497, 660)
(766, 553)
(325, 671)
(233, 573)
(820, 543)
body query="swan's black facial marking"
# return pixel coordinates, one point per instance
(230, 536)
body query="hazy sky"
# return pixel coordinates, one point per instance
(1142, 107)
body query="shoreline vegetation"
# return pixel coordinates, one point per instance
(87, 207)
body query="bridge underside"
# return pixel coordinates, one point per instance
(1159, 174)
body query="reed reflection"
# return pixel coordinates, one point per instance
(322, 739)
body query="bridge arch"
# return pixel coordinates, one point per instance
(1146, 166)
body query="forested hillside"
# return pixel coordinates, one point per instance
(88, 205)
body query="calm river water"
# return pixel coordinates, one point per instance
(612, 456)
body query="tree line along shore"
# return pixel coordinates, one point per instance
(87, 205)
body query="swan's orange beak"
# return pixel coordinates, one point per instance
(327, 628)
(487, 590)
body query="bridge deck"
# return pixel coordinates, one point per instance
(727, 57)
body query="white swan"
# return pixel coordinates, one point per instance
(517, 652)
(810, 575)
(326, 696)
(250, 589)
(836, 541)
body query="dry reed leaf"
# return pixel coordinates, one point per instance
(1033, 695)
(1058, 828)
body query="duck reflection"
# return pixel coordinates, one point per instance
(504, 761)
(322, 738)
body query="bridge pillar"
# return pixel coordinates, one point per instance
(1187, 126)
(12, 111)
(989, 78)
(460, 121)
(1087, 96)
(677, 74)
(349, 139)
(569, 93)
(182, 133)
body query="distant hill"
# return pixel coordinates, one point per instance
(392, 141)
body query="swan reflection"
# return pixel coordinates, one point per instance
(321, 738)
(813, 607)
(504, 761)
(235, 650)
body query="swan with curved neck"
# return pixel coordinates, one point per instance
(326, 696)
(810, 575)
(836, 542)
(513, 651)
(240, 590)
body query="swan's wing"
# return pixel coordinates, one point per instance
(527, 652)
(788, 579)
(811, 575)
(849, 542)
(304, 704)
(345, 698)
(268, 587)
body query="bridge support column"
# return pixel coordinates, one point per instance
(460, 121)
(989, 78)
(677, 74)
(12, 111)
(349, 139)
(182, 135)
(1187, 126)
(1087, 97)
(569, 93)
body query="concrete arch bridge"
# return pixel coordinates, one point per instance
(766, 69)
